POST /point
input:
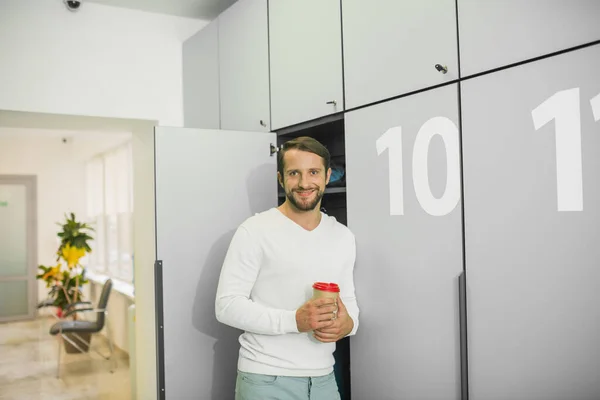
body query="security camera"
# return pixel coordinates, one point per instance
(72, 5)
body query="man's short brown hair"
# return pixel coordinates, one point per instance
(304, 143)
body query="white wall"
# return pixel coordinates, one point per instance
(100, 61)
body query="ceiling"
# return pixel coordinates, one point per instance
(199, 9)
(88, 135)
(82, 145)
(74, 123)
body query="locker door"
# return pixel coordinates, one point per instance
(495, 33)
(207, 183)
(392, 47)
(200, 70)
(532, 211)
(403, 198)
(244, 66)
(305, 48)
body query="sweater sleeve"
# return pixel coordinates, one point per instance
(233, 305)
(347, 291)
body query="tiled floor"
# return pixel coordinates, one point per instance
(28, 362)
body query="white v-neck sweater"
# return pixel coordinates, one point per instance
(267, 275)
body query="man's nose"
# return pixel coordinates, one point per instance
(303, 182)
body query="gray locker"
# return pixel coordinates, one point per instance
(207, 183)
(532, 211)
(244, 66)
(200, 69)
(305, 50)
(495, 33)
(392, 47)
(403, 199)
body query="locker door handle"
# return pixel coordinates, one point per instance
(462, 307)
(441, 68)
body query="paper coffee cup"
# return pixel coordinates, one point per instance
(324, 289)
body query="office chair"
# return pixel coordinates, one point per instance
(76, 327)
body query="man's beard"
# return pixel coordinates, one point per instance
(302, 204)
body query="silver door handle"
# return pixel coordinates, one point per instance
(263, 123)
(332, 102)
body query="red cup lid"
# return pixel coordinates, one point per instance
(326, 287)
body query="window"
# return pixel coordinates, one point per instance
(109, 179)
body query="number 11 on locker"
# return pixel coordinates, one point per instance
(563, 107)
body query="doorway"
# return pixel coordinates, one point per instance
(18, 247)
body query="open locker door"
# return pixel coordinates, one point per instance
(207, 183)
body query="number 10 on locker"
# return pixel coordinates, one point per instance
(391, 140)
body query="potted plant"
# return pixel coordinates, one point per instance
(67, 277)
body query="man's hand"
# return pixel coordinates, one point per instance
(316, 314)
(340, 327)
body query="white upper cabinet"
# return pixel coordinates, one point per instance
(496, 33)
(393, 47)
(244, 66)
(201, 79)
(306, 60)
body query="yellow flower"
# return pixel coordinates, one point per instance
(72, 255)
(54, 273)
(48, 274)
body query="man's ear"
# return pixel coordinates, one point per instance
(279, 179)
(328, 177)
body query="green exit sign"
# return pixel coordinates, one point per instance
(3, 203)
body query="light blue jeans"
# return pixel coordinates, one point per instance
(250, 386)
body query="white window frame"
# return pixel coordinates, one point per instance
(100, 263)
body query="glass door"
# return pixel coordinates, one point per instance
(18, 254)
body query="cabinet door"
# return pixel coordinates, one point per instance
(306, 60)
(404, 209)
(392, 47)
(197, 212)
(201, 79)
(495, 33)
(531, 140)
(244, 66)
